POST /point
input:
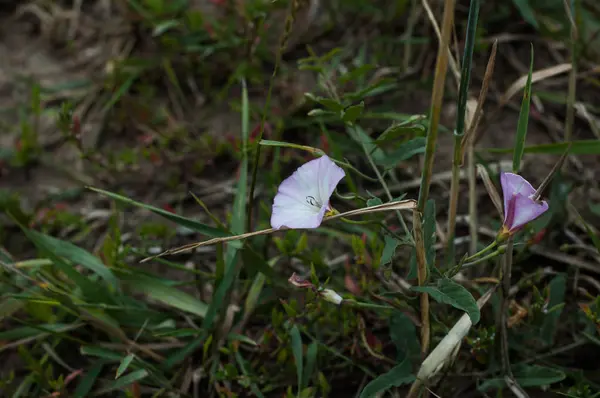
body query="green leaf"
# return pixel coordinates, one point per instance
(523, 120)
(353, 112)
(581, 147)
(296, 340)
(526, 12)
(450, 292)
(389, 249)
(395, 377)
(76, 255)
(403, 152)
(87, 382)
(183, 221)
(398, 131)
(159, 291)
(330, 104)
(124, 365)
(374, 202)
(403, 333)
(528, 376)
(557, 289)
(124, 381)
(238, 219)
(311, 361)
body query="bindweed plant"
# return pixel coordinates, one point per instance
(329, 256)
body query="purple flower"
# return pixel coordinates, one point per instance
(303, 198)
(520, 207)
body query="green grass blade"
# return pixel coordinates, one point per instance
(238, 218)
(124, 381)
(124, 365)
(523, 120)
(296, 340)
(580, 147)
(87, 382)
(467, 63)
(168, 295)
(180, 220)
(76, 255)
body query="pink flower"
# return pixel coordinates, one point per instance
(303, 198)
(520, 206)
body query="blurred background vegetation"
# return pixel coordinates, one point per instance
(160, 105)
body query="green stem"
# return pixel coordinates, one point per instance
(482, 259)
(457, 161)
(386, 189)
(482, 251)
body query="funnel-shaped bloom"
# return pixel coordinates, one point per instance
(520, 206)
(303, 198)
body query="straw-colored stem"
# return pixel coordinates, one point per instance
(472, 178)
(408, 204)
(422, 278)
(437, 96)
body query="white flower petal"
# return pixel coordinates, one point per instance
(302, 199)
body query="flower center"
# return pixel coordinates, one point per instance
(313, 202)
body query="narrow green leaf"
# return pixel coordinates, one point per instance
(528, 376)
(404, 152)
(353, 112)
(296, 340)
(526, 12)
(124, 365)
(76, 255)
(159, 291)
(581, 147)
(87, 381)
(183, 221)
(465, 73)
(244, 368)
(523, 120)
(395, 377)
(238, 219)
(450, 292)
(398, 132)
(124, 381)
(557, 288)
(311, 361)
(330, 104)
(389, 249)
(100, 352)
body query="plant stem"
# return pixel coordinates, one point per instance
(457, 159)
(482, 251)
(506, 273)
(472, 176)
(386, 189)
(482, 259)
(437, 96)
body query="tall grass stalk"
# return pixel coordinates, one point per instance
(437, 96)
(457, 159)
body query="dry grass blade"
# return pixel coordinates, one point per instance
(472, 129)
(491, 189)
(408, 204)
(536, 76)
(436, 28)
